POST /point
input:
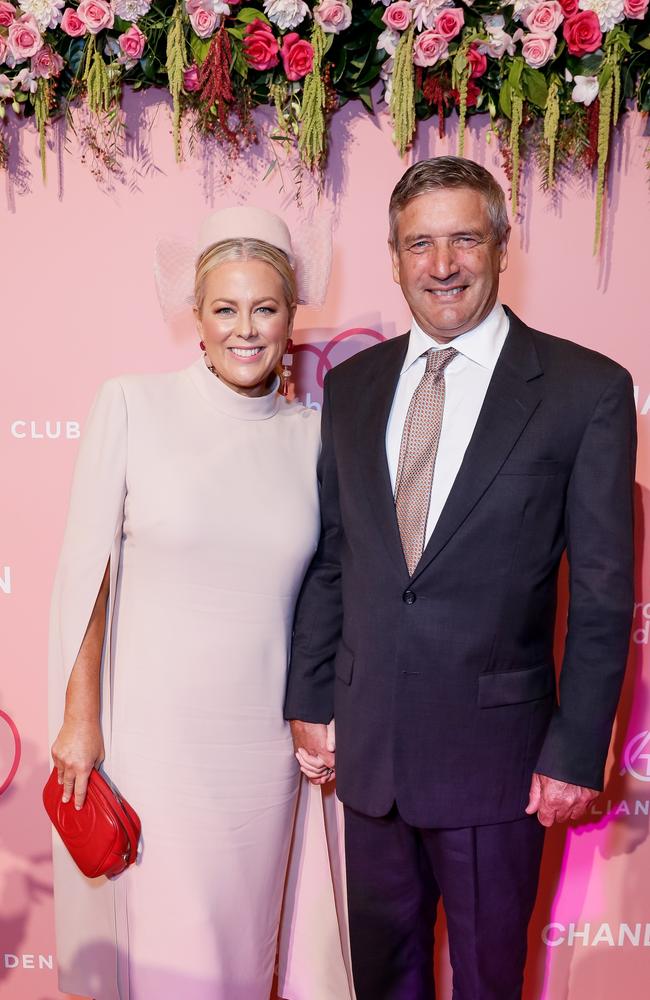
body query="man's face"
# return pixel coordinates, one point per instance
(447, 262)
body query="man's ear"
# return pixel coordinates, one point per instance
(503, 251)
(394, 257)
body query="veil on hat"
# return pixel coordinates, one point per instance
(309, 248)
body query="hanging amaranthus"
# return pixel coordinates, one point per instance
(460, 72)
(311, 141)
(176, 61)
(215, 86)
(402, 98)
(604, 128)
(42, 101)
(515, 130)
(98, 84)
(551, 123)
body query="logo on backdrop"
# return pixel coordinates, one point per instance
(641, 634)
(9, 750)
(11, 961)
(636, 757)
(590, 935)
(324, 354)
(46, 430)
(5, 579)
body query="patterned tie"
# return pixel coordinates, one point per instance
(417, 454)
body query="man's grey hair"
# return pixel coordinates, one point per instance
(449, 172)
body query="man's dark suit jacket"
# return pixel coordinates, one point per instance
(443, 683)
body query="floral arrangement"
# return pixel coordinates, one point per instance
(554, 75)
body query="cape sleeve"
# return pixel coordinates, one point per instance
(92, 538)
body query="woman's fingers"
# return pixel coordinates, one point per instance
(314, 767)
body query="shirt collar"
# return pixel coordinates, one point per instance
(482, 345)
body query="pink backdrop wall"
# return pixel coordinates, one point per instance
(78, 304)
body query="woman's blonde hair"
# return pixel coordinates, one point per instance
(245, 249)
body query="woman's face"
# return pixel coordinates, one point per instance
(244, 323)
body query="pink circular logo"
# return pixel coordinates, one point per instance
(323, 354)
(9, 750)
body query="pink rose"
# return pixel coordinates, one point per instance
(204, 22)
(538, 49)
(449, 22)
(191, 78)
(260, 46)
(477, 61)
(7, 14)
(46, 63)
(72, 24)
(582, 33)
(635, 9)
(429, 48)
(132, 43)
(398, 15)
(3, 49)
(297, 56)
(569, 7)
(24, 39)
(333, 16)
(96, 15)
(545, 16)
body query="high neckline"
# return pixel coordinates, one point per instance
(231, 403)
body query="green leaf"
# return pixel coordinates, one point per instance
(239, 33)
(535, 87)
(514, 76)
(590, 64)
(239, 64)
(505, 99)
(199, 47)
(605, 76)
(249, 14)
(645, 43)
(365, 97)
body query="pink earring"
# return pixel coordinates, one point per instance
(285, 374)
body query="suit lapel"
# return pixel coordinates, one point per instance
(513, 395)
(374, 410)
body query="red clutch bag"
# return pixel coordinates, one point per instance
(103, 835)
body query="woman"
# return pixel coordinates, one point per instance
(193, 517)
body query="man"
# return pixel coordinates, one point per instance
(459, 463)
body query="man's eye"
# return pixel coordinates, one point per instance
(420, 246)
(466, 242)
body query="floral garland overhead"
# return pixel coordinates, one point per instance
(554, 75)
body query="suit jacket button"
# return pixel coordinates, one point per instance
(409, 597)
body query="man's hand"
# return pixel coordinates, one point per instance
(314, 745)
(557, 801)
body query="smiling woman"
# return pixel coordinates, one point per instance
(175, 665)
(245, 294)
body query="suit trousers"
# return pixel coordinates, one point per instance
(396, 873)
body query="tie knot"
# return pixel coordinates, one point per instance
(437, 360)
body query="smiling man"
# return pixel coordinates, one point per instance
(459, 463)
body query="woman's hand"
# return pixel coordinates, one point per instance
(78, 748)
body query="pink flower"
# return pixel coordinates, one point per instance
(582, 33)
(547, 16)
(72, 24)
(191, 78)
(46, 63)
(538, 49)
(636, 9)
(204, 22)
(3, 50)
(477, 61)
(297, 56)
(449, 22)
(7, 14)
(429, 48)
(96, 15)
(398, 15)
(24, 39)
(569, 7)
(333, 16)
(132, 43)
(260, 46)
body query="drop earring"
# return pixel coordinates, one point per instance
(202, 346)
(287, 362)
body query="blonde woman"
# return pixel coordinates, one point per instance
(194, 515)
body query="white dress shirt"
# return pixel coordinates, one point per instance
(467, 378)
